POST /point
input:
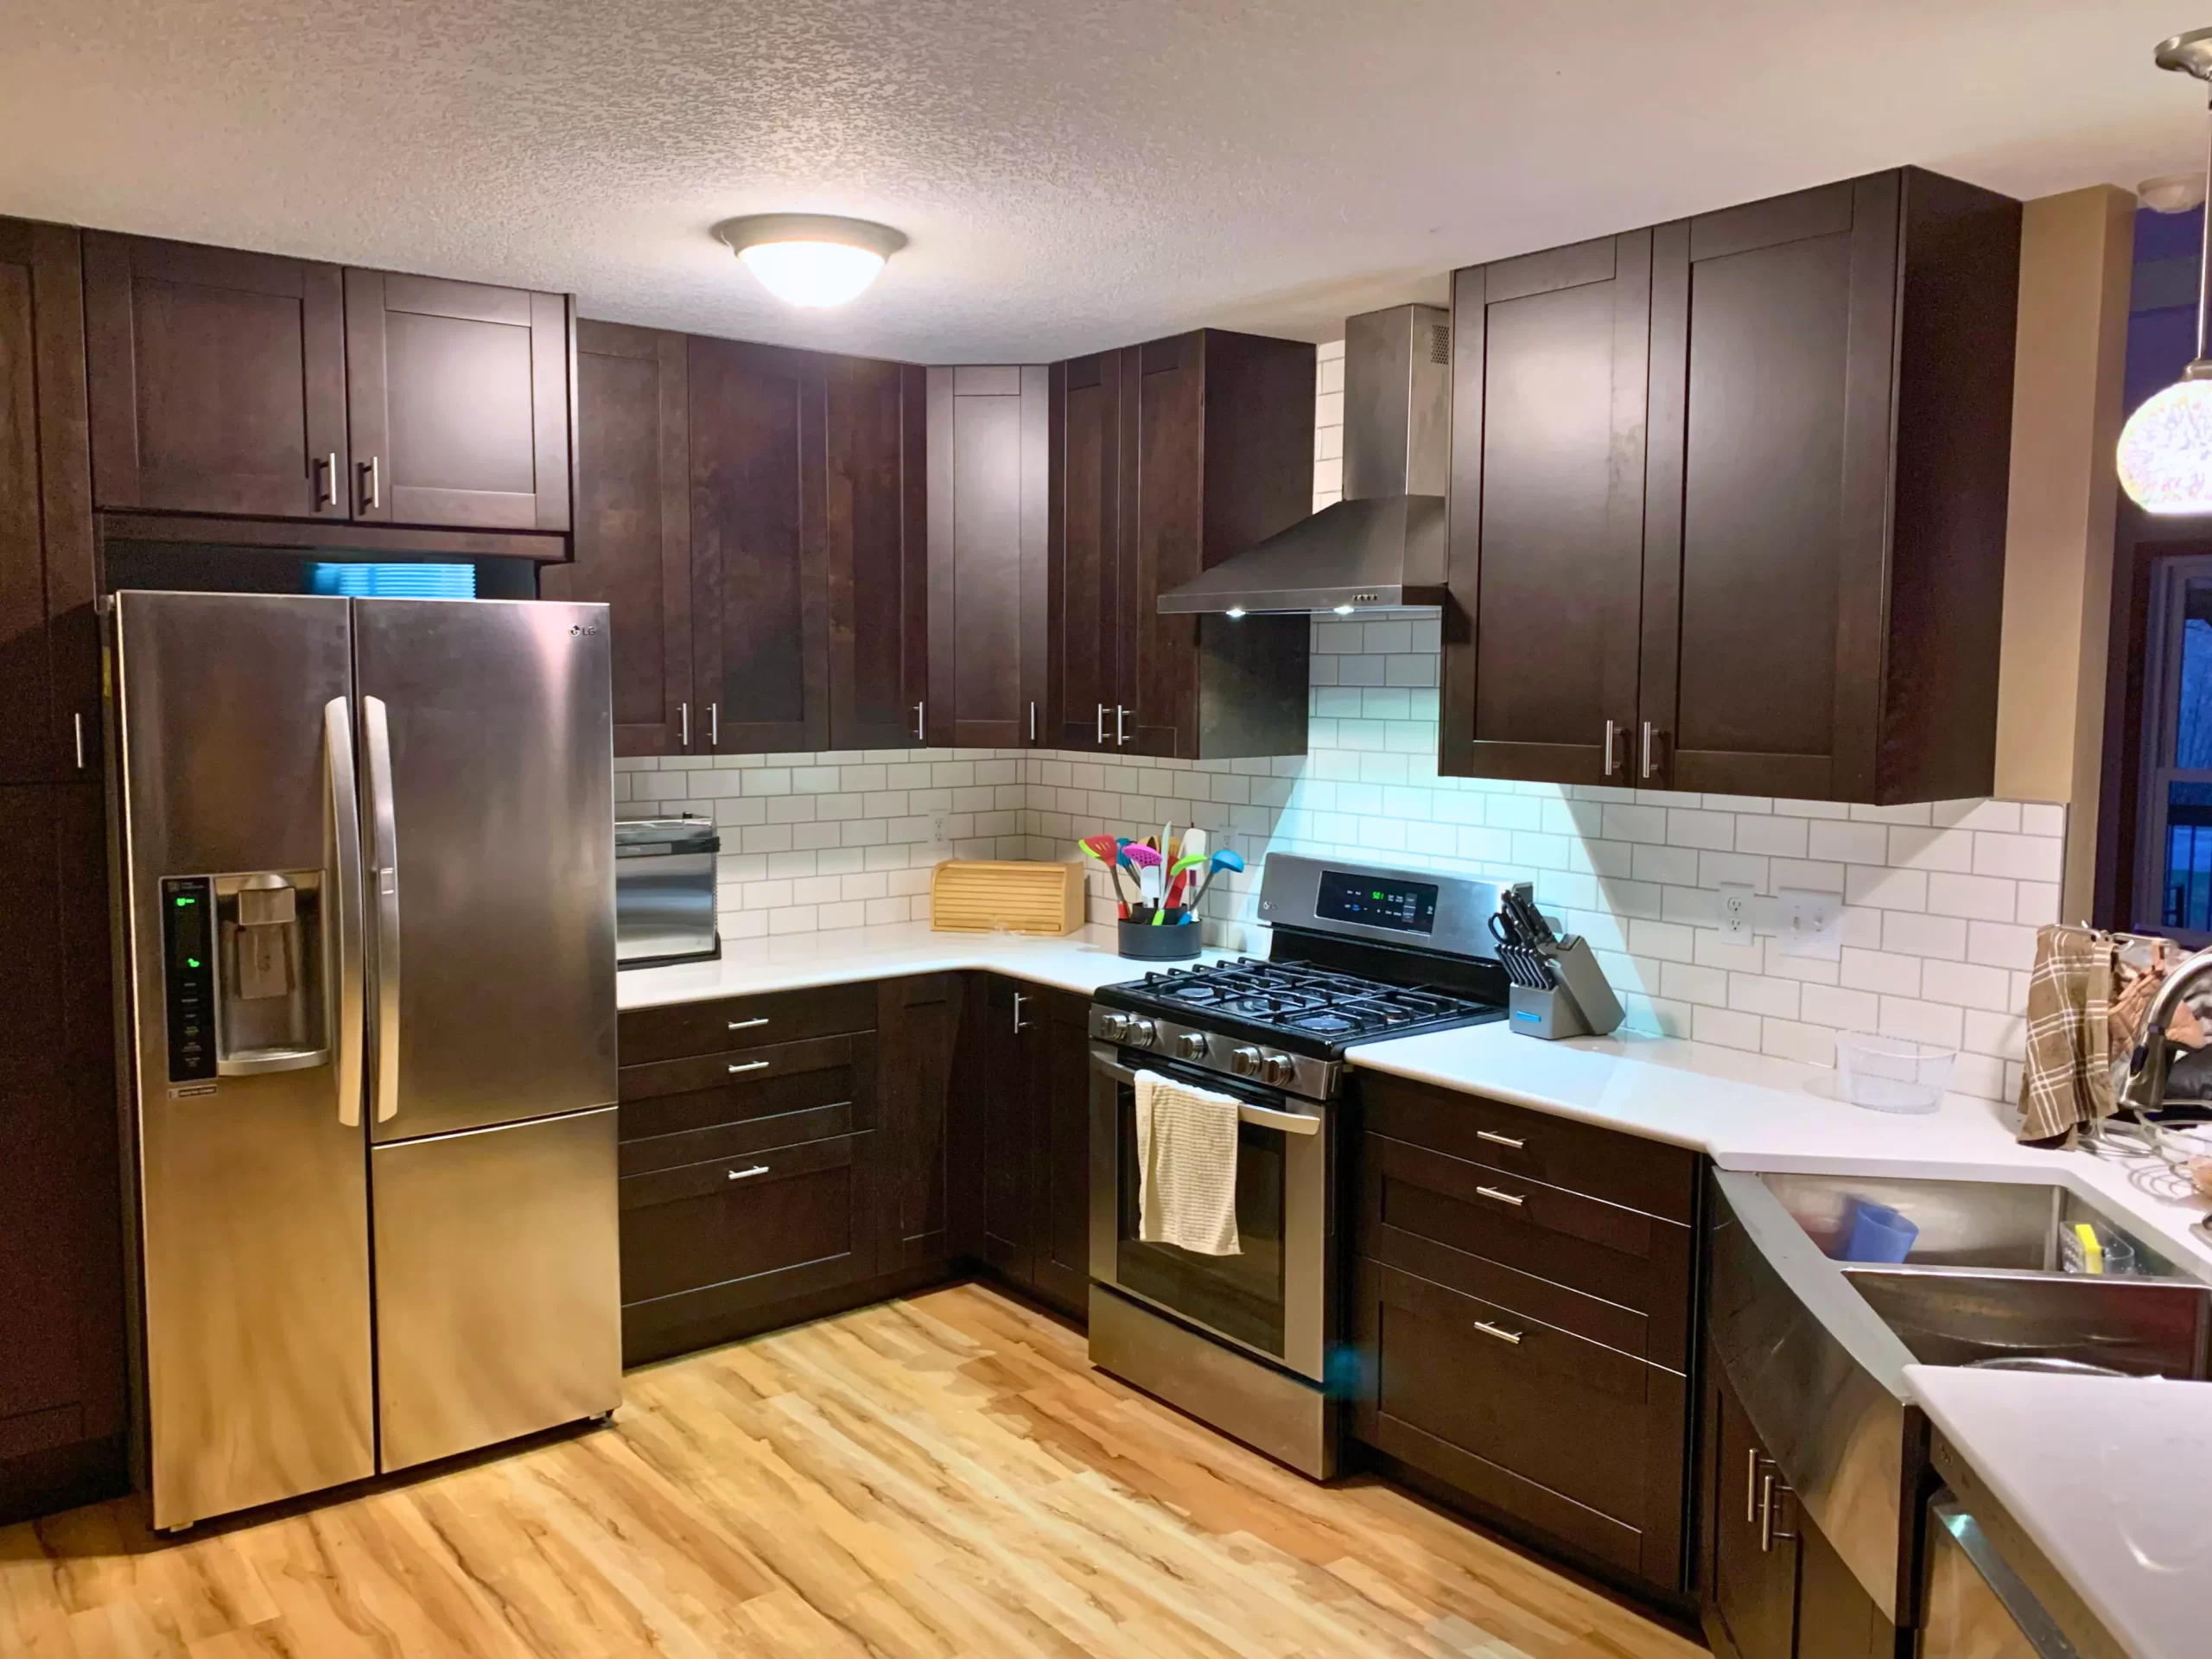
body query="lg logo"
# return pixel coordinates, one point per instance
(583, 629)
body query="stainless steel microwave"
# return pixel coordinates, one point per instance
(665, 892)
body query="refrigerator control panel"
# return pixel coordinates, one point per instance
(188, 974)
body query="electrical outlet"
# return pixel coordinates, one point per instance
(937, 836)
(1736, 903)
(1812, 925)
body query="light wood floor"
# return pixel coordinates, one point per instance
(939, 1476)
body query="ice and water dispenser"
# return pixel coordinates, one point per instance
(243, 973)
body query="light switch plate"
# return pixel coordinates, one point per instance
(1737, 902)
(1812, 925)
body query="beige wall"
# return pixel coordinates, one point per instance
(2076, 252)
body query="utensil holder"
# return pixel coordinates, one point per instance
(1169, 942)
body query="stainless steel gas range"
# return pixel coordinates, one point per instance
(1251, 1343)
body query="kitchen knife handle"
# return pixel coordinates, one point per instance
(343, 917)
(384, 883)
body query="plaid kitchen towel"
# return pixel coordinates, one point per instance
(2069, 1079)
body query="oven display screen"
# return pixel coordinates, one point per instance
(1403, 906)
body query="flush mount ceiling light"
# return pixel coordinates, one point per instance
(2165, 448)
(813, 260)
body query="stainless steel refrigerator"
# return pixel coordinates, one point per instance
(366, 852)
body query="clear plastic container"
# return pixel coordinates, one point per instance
(2115, 1257)
(1892, 1074)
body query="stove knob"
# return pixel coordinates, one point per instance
(1141, 1031)
(1278, 1069)
(1114, 1027)
(1191, 1045)
(1245, 1062)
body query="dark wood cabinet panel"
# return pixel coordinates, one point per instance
(1549, 366)
(458, 399)
(218, 380)
(1086, 682)
(760, 589)
(918, 1025)
(633, 525)
(988, 501)
(62, 1363)
(669, 1105)
(1012, 1203)
(49, 635)
(677, 1031)
(1062, 1261)
(878, 552)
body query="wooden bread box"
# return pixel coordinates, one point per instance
(970, 895)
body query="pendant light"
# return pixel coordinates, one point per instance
(811, 260)
(2165, 448)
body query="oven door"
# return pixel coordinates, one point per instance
(1272, 1300)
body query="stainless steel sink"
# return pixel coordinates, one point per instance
(1817, 1348)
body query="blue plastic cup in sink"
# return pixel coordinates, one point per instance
(1877, 1234)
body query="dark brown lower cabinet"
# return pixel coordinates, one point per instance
(1022, 1152)
(1770, 1586)
(918, 1034)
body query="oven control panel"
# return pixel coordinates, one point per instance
(1298, 1074)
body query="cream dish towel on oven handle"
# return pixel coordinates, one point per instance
(1186, 1166)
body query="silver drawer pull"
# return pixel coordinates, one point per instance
(762, 1169)
(1489, 1330)
(747, 1025)
(762, 1066)
(1499, 1139)
(1514, 1199)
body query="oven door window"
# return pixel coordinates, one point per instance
(1241, 1296)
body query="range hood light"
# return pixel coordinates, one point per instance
(1344, 610)
(1235, 611)
(814, 261)
(2165, 448)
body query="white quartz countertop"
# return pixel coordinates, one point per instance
(2110, 1477)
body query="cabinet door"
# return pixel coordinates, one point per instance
(633, 526)
(1061, 1125)
(1766, 530)
(1008, 1146)
(1548, 372)
(760, 565)
(988, 509)
(1753, 1588)
(878, 555)
(1086, 675)
(1163, 502)
(218, 379)
(458, 396)
(61, 1253)
(49, 636)
(918, 1027)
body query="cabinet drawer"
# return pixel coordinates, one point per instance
(678, 1030)
(1567, 1435)
(1608, 1274)
(740, 1085)
(1623, 1169)
(764, 1220)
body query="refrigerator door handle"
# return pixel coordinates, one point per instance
(345, 889)
(383, 883)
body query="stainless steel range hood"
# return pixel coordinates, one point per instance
(1383, 544)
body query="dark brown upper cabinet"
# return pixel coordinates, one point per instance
(988, 491)
(218, 380)
(1205, 441)
(50, 636)
(457, 396)
(633, 525)
(878, 552)
(1803, 516)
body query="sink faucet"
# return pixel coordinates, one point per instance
(2145, 1089)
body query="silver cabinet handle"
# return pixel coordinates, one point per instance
(1650, 743)
(76, 736)
(325, 487)
(384, 878)
(1102, 725)
(1121, 725)
(1032, 722)
(1516, 1199)
(715, 725)
(749, 1066)
(747, 1174)
(683, 724)
(1489, 1330)
(343, 946)
(1498, 1139)
(1751, 1486)
(1612, 731)
(918, 721)
(1020, 1024)
(747, 1025)
(372, 485)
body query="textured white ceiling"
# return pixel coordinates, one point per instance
(1073, 173)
